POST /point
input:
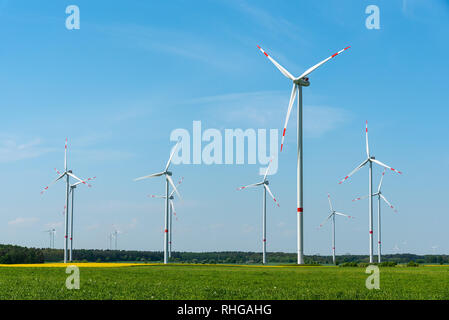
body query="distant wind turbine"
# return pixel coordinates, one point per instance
(332, 216)
(370, 160)
(172, 212)
(168, 180)
(67, 174)
(263, 183)
(379, 225)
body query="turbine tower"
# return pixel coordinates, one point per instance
(332, 215)
(168, 180)
(379, 233)
(298, 83)
(51, 233)
(67, 174)
(72, 191)
(369, 160)
(172, 212)
(263, 183)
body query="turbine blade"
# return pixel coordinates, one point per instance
(311, 69)
(172, 154)
(289, 110)
(330, 202)
(324, 222)
(268, 168)
(366, 136)
(381, 179)
(172, 207)
(179, 183)
(250, 185)
(173, 185)
(271, 194)
(150, 176)
(281, 68)
(388, 203)
(75, 177)
(65, 155)
(354, 171)
(384, 165)
(360, 198)
(60, 177)
(342, 214)
(157, 197)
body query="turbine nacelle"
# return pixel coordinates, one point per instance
(302, 82)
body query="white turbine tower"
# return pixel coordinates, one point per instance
(67, 174)
(168, 180)
(72, 191)
(298, 83)
(263, 183)
(379, 233)
(51, 233)
(172, 212)
(370, 160)
(332, 215)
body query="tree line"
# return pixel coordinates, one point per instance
(10, 254)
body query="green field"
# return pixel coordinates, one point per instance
(224, 282)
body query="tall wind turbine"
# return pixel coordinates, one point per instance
(67, 174)
(332, 215)
(72, 191)
(168, 180)
(172, 212)
(298, 83)
(369, 160)
(263, 183)
(379, 196)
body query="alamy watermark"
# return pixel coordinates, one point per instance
(73, 280)
(73, 20)
(210, 147)
(373, 281)
(373, 20)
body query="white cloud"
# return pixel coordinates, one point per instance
(11, 150)
(22, 221)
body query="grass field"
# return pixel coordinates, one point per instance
(158, 282)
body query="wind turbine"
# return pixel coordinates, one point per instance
(370, 160)
(168, 180)
(67, 174)
(379, 196)
(115, 236)
(72, 191)
(298, 83)
(263, 183)
(332, 215)
(172, 212)
(51, 233)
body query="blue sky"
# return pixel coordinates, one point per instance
(137, 70)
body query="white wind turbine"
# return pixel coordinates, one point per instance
(51, 233)
(263, 183)
(370, 160)
(298, 83)
(67, 174)
(168, 180)
(172, 212)
(332, 215)
(379, 234)
(72, 191)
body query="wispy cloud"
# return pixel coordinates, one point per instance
(12, 150)
(268, 109)
(23, 221)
